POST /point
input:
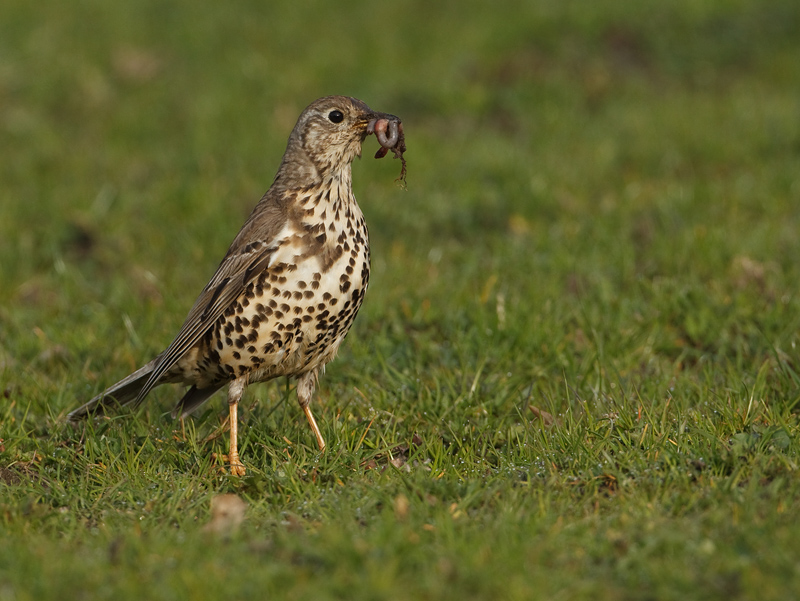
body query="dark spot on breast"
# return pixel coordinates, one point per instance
(308, 293)
(314, 285)
(301, 284)
(297, 295)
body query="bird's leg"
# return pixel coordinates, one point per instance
(305, 390)
(235, 391)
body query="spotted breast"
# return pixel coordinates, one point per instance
(292, 318)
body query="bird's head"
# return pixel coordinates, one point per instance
(330, 131)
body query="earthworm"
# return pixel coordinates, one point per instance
(395, 141)
(380, 132)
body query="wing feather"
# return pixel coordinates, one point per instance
(264, 230)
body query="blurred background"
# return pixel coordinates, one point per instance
(593, 187)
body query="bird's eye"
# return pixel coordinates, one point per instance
(336, 116)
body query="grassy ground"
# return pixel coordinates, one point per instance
(575, 375)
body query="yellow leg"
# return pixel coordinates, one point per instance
(313, 423)
(234, 395)
(305, 390)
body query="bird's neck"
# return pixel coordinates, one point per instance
(327, 199)
(340, 183)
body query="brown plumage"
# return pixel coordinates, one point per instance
(291, 283)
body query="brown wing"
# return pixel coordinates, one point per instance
(242, 264)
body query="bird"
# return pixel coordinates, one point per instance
(287, 291)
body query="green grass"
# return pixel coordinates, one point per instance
(601, 222)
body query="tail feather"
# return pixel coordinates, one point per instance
(193, 398)
(123, 392)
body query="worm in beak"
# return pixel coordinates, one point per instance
(388, 129)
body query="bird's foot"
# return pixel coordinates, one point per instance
(237, 468)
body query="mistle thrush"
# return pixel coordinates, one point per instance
(289, 287)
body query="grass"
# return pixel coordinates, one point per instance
(575, 375)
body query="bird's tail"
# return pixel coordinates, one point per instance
(193, 398)
(123, 392)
